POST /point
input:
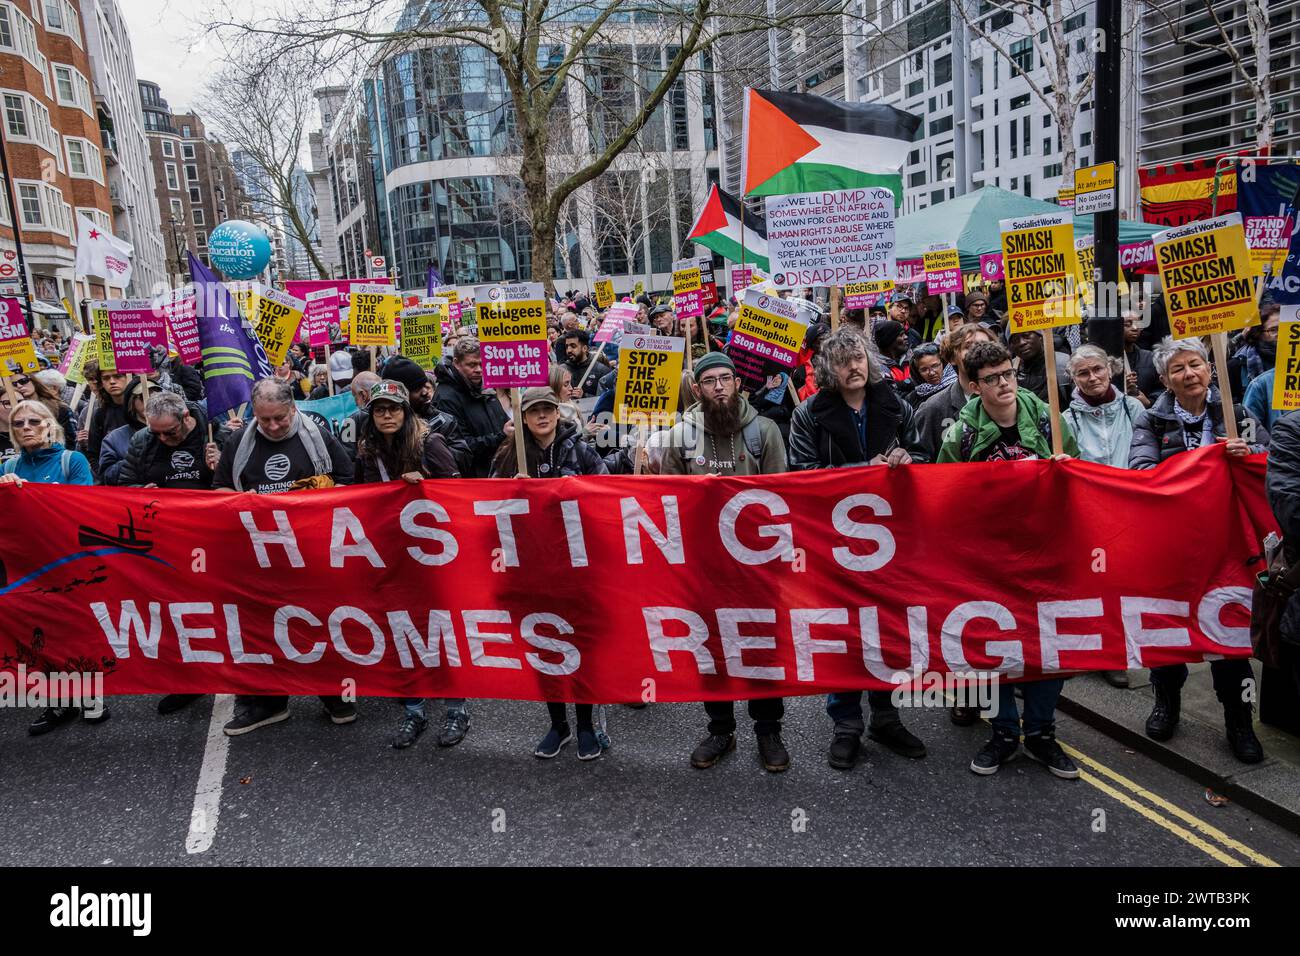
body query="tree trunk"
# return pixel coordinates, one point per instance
(1257, 21)
(542, 215)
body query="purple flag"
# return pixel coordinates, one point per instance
(233, 358)
(432, 280)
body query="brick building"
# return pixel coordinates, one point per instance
(54, 147)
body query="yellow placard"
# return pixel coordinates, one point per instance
(374, 315)
(82, 347)
(1065, 197)
(757, 319)
(941, 260)
(422, 332)
(511, 321)
(103, 336)
(687, 280)
(868, 288)
(649, 379)
(275, 319)
(1286, 375)
(638, 290)
(1042, 272)
(604, 289)
(1206, 273)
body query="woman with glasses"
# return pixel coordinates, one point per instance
(30, 388)
(928, 374)
(1189, 415)
(1099, 414)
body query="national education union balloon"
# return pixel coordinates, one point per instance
(239, 249)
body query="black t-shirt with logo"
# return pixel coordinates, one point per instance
(181, 467)
(1008, 446)
(274, 466)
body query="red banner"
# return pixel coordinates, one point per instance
(599, 589)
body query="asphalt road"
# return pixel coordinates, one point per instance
(139, 790)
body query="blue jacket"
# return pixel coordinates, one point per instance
(1259, 400)
(45, 466)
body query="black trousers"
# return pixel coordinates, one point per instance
(1228, 676)
(559, 716)
(765, 712)
(277, 702)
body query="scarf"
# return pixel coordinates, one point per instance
(925, 389)
(1196, 428)
(293, 430)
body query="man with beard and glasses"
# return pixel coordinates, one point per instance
(722, 435)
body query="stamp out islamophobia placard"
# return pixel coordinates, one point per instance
(1206, 273)
(942, 268)
(1286, 377)
(603, 288)
(374, 315)
(1041, 271)
(17, 353)
(180, 311)
(769, 332)
(136, 327)
(863, 295)
(320, 311)
(687, 283)
(512, 332)
(422, 332)
(831, 238)
(649, 379)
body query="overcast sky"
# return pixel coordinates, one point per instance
(170, 48)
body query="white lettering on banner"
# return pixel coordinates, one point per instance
(185, 634)
(866, 532)
(873, 657)
(805, 645)
(129, 622)
(734, 644)
(661, 644)
(1137, 635)
(283, 616)
(282, 536)
(344, 525)
(235, 638)
(573, 534)
(636, 520)
(477, 638)
(336, 619)
(1053, 642)
(441, 634)
(572, 657)
(502, 510)
(450, 547)
(1209, 616)
(782, 533)
(950, 635)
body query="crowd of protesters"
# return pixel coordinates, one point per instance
(905, 383)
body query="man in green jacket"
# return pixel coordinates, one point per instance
(723, 435)
(1009, 423)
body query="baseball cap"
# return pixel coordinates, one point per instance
(900, 297)
(388, 390)
(341, 366)
(538, 395)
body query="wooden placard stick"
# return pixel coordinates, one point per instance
(1053, 392)
(1219, 343)
(521, 461)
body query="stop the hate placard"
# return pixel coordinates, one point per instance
(512, 332)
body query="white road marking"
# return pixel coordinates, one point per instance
(207, 794)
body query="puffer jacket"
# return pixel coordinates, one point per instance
(480, 417)
(1104, 432)
(974, 431)
(568, 455)
(116, 444)
(1158, 431)
(823, 433)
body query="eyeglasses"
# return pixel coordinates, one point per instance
(22, 380)
(173, 432)
(997, 378)
(27, 423)
(716, 381)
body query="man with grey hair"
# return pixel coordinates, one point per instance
(282, 451)
(855, 419)
(172, 450)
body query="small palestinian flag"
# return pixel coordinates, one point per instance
(800, 143)
(718, 228)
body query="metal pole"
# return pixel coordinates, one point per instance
(16, 216)
(1105, 328)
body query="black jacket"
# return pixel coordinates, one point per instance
(450, 430)
(823, 435)
(1143, 362)
(936, 413)
(480, 417)
(568, 455)
(188, 378)
(1158, 431)
(108, 417)
(438, 462)
(144, 447)
(1283, 487)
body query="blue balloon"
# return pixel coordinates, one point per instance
(239, 249)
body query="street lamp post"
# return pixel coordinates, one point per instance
(176, 246)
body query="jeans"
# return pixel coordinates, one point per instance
(1040, 707)
(845, 709)
(415, 705)
(766, 714)
(558, 715)
(1227, 675)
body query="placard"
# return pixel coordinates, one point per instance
(831, 237)
(374, 315)
(17, 352)
(422, 332)
(1041, 271)
(603, 288)
(649, 380)
(180, 312)
(512, 329)
(768, 334)
(320, 311)
(1206, 274)
(137, 327)
(942, 268)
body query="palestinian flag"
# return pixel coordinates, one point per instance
(718, 228)
(800, 143)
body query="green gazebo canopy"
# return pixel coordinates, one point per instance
(971, 222)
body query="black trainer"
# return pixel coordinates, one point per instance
(51, 718)
(250, 717)
(170, 703)
(454, 728)
(1238, 723)
(898, 739)
(964, 716)
(844, 751)
(1164, 715)
(1044, 748)
(340, 710)
(1000, 749)
(711, 749)
(772, 752)
(408, 730)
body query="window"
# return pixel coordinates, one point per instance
(4, 204)
(43, 207)
(29, 197)
(18, 33)
(172, 181)
(1025, 142)
(168, 147)
(1077, 22)
(940, 125)
(915, 88)
(97, 216)
(185, 131)
(1022, 55)
(178, 210)
(1052, 170)
(28, 119)
(201, 239)
(198, 216)
(943, 69)
(1014, 142)
(61, 17)
(73, 88)
(1085, 139)
(1047, 145)
(45, 77)
(1047, 120)
(15, 114)
(191, 173)
(195, 195)
(1027, 190)
(187, 149)
(916, 179)
(1018, 102)
(84, 159)
(1015, 184)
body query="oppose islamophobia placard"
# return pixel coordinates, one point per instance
(1206, 271)
(320, 311)
(1039, 262)
(582, 589)
(17, 353)
(136, 327)
(512, 333)
(831, 237)
(649, 379)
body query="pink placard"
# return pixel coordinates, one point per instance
(910, 270)
(518, 364)
(741, 279)
(943, 281)
(298, 288)
(689, 304)
(991, 266)
(612, 324)
(322, 310)
(179, 312)
(1138, 256)
(136, 327)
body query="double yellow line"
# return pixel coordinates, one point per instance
(1164, 814)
